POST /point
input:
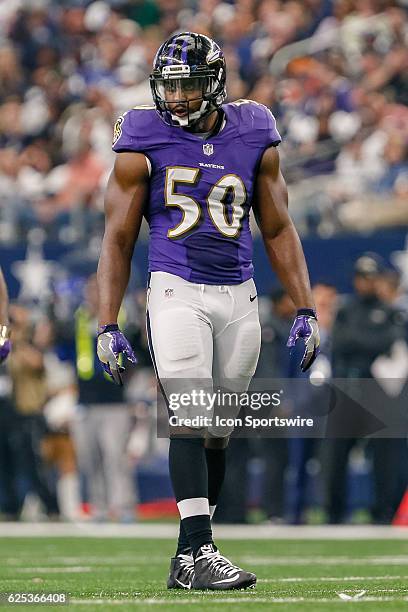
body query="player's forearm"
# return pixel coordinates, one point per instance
(124, 203)
(288, 261)
(113, 277)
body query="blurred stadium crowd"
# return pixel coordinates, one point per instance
(334, 72)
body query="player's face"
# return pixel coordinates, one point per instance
(183, 96)
(365, 285)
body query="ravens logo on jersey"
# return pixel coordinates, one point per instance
(117, 130)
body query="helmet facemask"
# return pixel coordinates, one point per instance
(173, 87)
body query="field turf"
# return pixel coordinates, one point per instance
(129, 574)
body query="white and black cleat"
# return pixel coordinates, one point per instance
(215, 572)
(181, 572)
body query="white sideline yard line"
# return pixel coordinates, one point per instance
(223, 600)
(390, 590)
(64, 569)
(334, 579)
(226, 532)
(89, 560)
(321, 560)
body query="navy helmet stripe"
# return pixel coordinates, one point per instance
(184, 51)
(171, 54)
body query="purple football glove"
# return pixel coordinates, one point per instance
(111, 343)
(5, 344)
(305, 326)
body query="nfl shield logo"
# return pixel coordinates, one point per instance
(169, 293)
(208, 149)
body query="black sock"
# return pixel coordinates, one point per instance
(198, 530)
(183, 544)
(216, 460)
(189, 476)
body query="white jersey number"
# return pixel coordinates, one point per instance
(217, 208)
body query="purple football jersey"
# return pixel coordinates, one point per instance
(200, 190)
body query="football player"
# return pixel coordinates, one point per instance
(5, 344)
(194, 166)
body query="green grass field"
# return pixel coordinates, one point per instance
(130, 574)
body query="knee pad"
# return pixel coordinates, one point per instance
(245, 352)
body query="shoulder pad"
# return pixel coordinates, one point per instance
(139, 130)
(257, 125)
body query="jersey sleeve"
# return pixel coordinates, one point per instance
(273, 137)
(123, 139)
(136, 130)
(258, 125)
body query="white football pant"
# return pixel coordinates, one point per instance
(202, 335)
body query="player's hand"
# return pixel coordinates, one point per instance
(305, 327)
(5, 344)
(111, 343)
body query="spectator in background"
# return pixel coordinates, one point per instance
(10, 503)
(313, 400)
(274, 360)
(11, 76)
(353, 171)
(395, 472)
(145, 12)
(274, 363)
(26, 366)
(365, 326)
(58, 447)
(390, 291)
(395, 157)
(73, 185)
(102, 425)
(364, 329)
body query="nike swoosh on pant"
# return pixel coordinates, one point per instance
(185, 586)
(233, 579)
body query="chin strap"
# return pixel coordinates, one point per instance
(186, 121)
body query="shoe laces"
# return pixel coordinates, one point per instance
(187, 564)
(220, 565)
